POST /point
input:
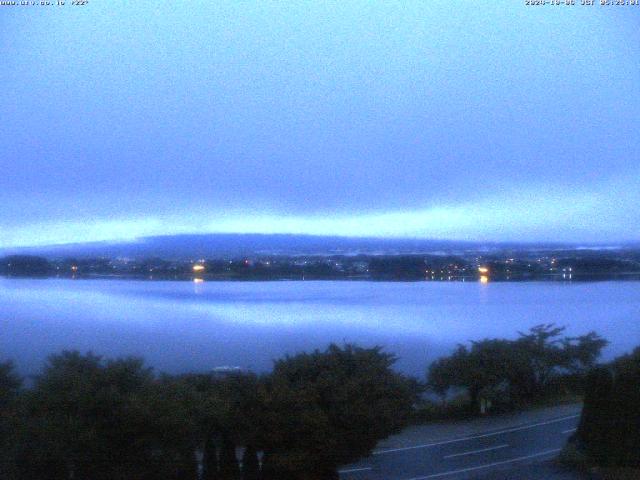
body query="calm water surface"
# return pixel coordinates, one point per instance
(179, 326)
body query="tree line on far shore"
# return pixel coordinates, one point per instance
(86, 417)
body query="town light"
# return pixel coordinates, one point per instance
(483, 270)
(198, 268)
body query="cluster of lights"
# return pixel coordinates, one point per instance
(484, 278)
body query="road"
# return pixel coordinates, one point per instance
(474, 449)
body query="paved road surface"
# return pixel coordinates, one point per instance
(475, 449)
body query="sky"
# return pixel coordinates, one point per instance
(485, 120)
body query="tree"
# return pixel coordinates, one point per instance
(172, 428)
(625, 411)
(595, 422)
(581, 353)
(541, 347)
(515, 371)
(10, 385)
(609, 429)
(549, 357)
(330, 408)
(443, 373)
(250, 464)
(229, 468)
(91, 419)
(485, 370)
(227, 412)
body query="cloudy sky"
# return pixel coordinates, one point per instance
(440, 119)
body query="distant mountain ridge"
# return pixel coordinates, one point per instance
(217, 245)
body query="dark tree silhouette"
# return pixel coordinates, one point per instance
(10, 385)
(229, 469)
(90, 419)
(250, 464)
(210, 460)
(515, 371)
(609, 430)
(330, 408)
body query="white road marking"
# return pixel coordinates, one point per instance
(471, 452)
(353, 470)
(488, 465)
(484, 435)
(571, 430)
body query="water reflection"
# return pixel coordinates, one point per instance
(180, 326)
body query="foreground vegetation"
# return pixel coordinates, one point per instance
(89, 418)
(608, 437)
(500, 374)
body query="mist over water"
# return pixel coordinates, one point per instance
(181, 326)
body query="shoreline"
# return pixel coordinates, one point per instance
(578, 278)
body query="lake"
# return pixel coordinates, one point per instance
(180, 326)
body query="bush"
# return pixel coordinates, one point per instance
(610, 424)
(331, 408)
(92, 419)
